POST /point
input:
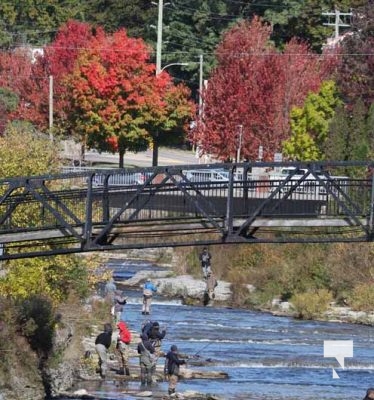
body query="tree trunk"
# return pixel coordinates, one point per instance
(121, 157)
(83, 153)
(155, 152)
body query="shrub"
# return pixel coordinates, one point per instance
(240, 295)
(362, 297)
(36, 318)
(311, 304)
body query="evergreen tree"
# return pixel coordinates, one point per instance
(34, 22)
(348, 137)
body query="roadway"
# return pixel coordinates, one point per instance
(166, 157)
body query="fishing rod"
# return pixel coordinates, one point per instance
(196, 355)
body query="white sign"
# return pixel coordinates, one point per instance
(278, 157)
(338, 349)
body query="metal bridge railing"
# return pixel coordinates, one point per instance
(89, 209)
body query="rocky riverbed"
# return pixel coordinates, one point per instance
(73, 366)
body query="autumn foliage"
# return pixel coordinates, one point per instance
(116, 100)
(105, 91)
(256, 86)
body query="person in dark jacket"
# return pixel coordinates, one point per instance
(369, 394)
(102, 344)
(205, 261)
(172, 364)
(155, 336)
(146, 360)
(119, 306)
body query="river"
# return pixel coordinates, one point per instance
(265, 356)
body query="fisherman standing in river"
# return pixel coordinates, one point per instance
(146, 360)
(119, 306)
(109, 292)
(122, 347)
(171, 370)
(205, 259)
(148, 290)
(211, 284)
(155, 336)
(102, 344)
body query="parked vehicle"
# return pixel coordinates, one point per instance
(310, 184)
(120, 179)
(207, 175)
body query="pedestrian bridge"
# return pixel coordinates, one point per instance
(98, 210)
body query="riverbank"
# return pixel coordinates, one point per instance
(191, 291)
(265, 356)
(171, 285)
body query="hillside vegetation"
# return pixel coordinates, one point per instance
(302, 273)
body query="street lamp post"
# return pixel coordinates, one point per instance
(169, 65)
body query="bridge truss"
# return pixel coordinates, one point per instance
(175, 206)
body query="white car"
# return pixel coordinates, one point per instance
(310, 184)
(207, 175)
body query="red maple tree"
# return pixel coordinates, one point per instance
(252, 91)
(19, 75)
(28, 75)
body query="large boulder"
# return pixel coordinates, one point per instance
(186, 286)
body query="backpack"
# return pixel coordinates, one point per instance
(147, 327)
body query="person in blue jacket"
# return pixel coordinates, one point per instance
(148, 290)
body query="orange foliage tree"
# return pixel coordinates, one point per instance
(117, 103)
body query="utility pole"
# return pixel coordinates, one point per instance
(159, 36)
(339, 21)
(158, 71)
(201, 82)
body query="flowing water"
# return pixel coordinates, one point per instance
(265, 357)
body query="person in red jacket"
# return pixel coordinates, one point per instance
(123, 344)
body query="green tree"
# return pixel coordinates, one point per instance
(167, 125)
(303, 19)
(136, 16)
(34, 22)
(349, 135)
(192, 29)
(8, 103)
(32, 153)
(310, 124)
(54, 277)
